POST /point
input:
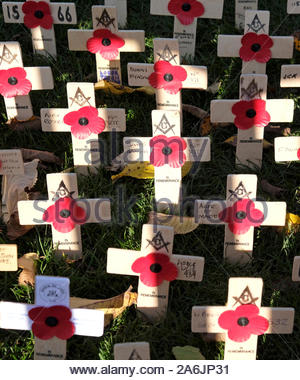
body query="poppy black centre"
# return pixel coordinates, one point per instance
(168, 77)
(51, 321)
(241, 215)
(243, 321)
(39, 14)
(155, 268)
(65, 213)
(251, 113)
(106, 42)
(186, 7)
(255, 47)
(13, 81)
(166, 150)
(83, 121)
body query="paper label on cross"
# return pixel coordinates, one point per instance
(11, 162)
(156, 267)
(132, 351)
(8, 257)
(287, 148)
(185, 18)
(253, 49)
(244, 299)
(65, 212)
(106, 41)
(86, 128)
(293, 6)
(252, 103)
(241, 6)
(121, 6)
(290, 76)
(43, 39)
(241, 213)
(19, 80)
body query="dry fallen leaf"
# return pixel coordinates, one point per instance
(181, 225)
(34, 123)
(278, 130)
(292, 224)
(31, 154)
(118, 89)
(28, 263)
(275, 191)
(14, 228)
(195, 111)
(111, 307)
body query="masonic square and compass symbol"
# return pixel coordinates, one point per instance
(158, 242)
(134, 355)
(7, 56)
(245, 298)
(105, 19)
(239, 192)
(256, 25)
(80, 98)
(251, 92)
(62, 192)
(164, 126)
(167, 55)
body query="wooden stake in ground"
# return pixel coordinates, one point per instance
(121, 6)
(8, 257)
(156, 266)
(167, 76)
(250, 114)
(293, 6)
(107, 42)
(132, 351)
(16, 82)
(241, 6)
(186, 14)
(85, 122)
(51, 319)
(241, 213)
(255, 47)
(65, 212)
(40, 16)
(242, 319)
(287, 148)
(168, 152)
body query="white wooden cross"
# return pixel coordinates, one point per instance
(16, 81)
(156, 266)
(88, 123)
(293, 6)
(168, 152)
(251, 113)
(132, 351)
(40, 16)
(242, 319)
(50, 318)
(290, 75)
(65, 212)
(240, 212)
(255, 47)
(121, 6)
(8, 257)
(287, 148)
(186, 14)
(241, 6)
(106, 41)
(166, 75)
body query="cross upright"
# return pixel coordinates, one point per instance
(132, 351)
(186, 14)
(166, 75)
(241, 6)
(240, 212)
(50, 318)
(255, 47)
(85, 122)
(65, 212)
(106, 42)
(250, 114)
(243, 318)
(296, 269)
(16, 81)
(287, 148)
(40, 16)
(121, 6)
(156, 266)
(293, 6)
(8, 257)
(168, 152)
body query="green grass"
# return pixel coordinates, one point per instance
(273, 252)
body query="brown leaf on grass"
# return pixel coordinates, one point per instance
(233, 141)
(195, 111)
(34, 123)
(111, 307)
(181, 225)
(14, 228)
(206, 126)
(275, 191)
(32, 154)
(28, 263)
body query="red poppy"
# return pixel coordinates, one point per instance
(13, 82)
(186, 10)
(298, 154)
(241, 216)
(251, 113)
(168, 77)
(256, 47)
(64, 214)
(37, 13)
(49, 322)
(154, 269)
(167, 150)
(243, 322)
(105, 43)
(84, 122)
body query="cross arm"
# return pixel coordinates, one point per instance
(274, 213)
(41, 78)
(15, 316)
(78, 38)
(281, 319)
(12, 12)
(138, 73)
(207, 211)
(196, 77)
(31, 212)
(134, 40)
(97, 210)
(88, 322)
(198, 149)
(290, 75)
(11, 162)
(119, 261)
(63, 13)
(287, 148)
(190, 268)
(205, 319)
(136, 149)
